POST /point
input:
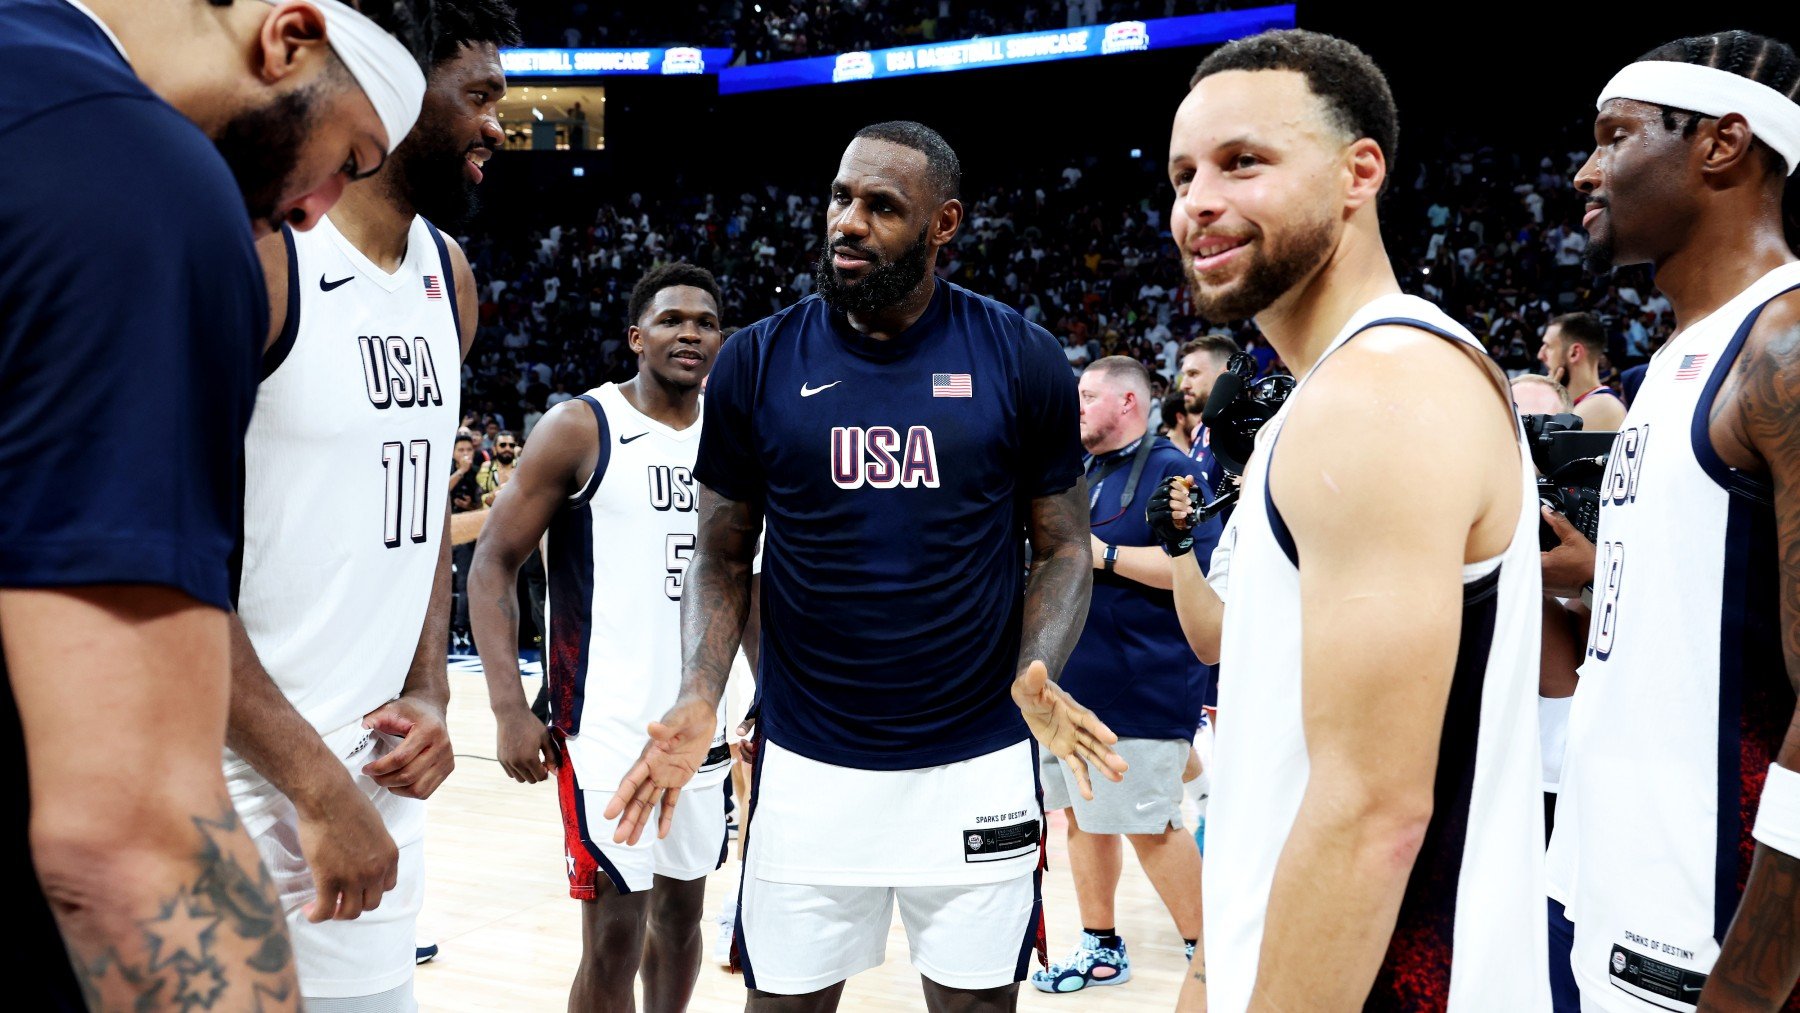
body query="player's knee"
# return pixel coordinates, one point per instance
(675, 912)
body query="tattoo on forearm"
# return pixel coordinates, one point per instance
(508, 604)
(220, 942)
(716, 599)
(1062, 579)
(1760, 957)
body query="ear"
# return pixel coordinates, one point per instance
(291, 40)
(949, 219)
(635, 338)
(1723, 144)
(1367, 167)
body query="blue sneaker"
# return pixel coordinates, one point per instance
(1090, 964)
(425, 953)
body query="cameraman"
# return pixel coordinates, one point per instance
(1133, 667)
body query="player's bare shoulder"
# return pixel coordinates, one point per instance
(1755, 413)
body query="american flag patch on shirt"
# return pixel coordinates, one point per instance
(1690, 366)
(951, 385)
(433, 290)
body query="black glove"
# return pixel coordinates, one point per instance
(1176, 540)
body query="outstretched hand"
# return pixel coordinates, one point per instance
(678, 745)
(1067, 729)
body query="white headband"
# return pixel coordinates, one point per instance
(1773, 117)
(382, 67)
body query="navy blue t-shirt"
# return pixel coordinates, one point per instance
(132, 309)
(1133, 666)
(896, 479)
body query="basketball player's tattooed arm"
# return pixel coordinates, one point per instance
(714, 605)
(178, 913)
(1760, 957)
(564, 448)
(1056, 605)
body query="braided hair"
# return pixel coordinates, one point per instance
(1759, 58)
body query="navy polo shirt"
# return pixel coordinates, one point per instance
(1133, 665)
(896, 479)
(132, 308)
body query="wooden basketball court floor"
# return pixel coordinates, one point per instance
(497, 903)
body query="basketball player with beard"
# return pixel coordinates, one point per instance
(337, 730)
(1375, 794)
(1687, 690)
(128, 282)
(897, 434)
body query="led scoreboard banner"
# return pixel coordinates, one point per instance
(606, 62)
(1007, 50)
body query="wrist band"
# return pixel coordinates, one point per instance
(1778, 814)
(1111, 556)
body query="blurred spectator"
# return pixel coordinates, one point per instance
(495, 473)
(465, 489)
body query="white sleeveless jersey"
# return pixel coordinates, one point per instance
(618, 555)
(1471, 929)
(345, 467)
(1684, 696)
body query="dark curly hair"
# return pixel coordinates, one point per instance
(669, 276)
(1354, 90)
(472, 22)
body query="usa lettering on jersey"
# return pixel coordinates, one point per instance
(672, 488)
(878, 458)
(398, 373)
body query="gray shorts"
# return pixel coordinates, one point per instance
(1147, 801)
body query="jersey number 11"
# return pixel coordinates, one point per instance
(393, 461)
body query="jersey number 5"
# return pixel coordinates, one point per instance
(393, 462)
(677, 554)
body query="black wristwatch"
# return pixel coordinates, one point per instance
(1111, 556)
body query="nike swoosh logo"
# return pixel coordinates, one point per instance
(326, 286)
(806, 391)
(1141, 806)
(628, 439)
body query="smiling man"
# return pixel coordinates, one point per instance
(610, 476)
(337, 728)
(1375, 827)
(898, 435)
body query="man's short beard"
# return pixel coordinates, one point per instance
(886, 284)
(431, 176)
(1269, 276)
(1598, 258)
(262, 147)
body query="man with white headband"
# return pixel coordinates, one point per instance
(339, 686)
(1677, 843)
(131, 296)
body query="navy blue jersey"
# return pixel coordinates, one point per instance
(896, 479)
(1133, 665)
(132, 309)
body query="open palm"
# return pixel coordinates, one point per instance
(1067, 729)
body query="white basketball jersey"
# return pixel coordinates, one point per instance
(345, 471)
(1471, 930)
(1684, 696)
(618, 554)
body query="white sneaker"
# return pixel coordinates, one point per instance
(722, 945)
